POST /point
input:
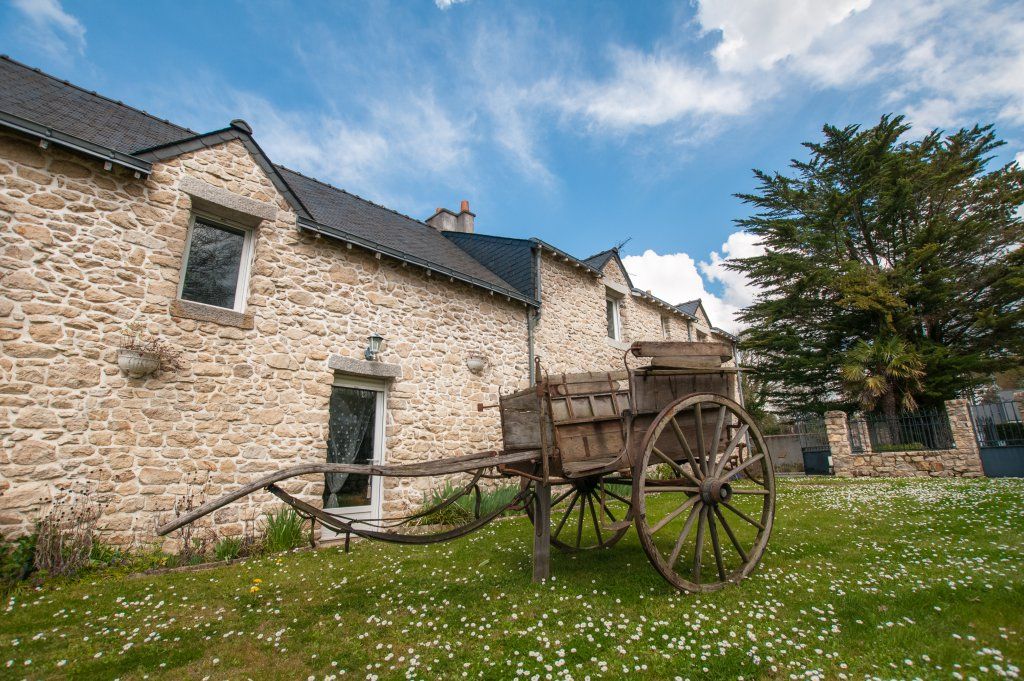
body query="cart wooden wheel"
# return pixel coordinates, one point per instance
(704, 493)
(588, 513)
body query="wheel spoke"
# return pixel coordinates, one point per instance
(698, 552)
(562, 497)
(730, 447)
(608, 512)
(732, 536)
(763, 492)
(743, 515)
(676, 467)
(675, 514)
(677, 549)
(698, 419)
(593, 516)
(612, 494)
(713, 445)
(685, 445)
(579, 524)
(717, 547)
(667, 488)
(565, 517)
(749, 462)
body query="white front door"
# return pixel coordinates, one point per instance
(355, 435)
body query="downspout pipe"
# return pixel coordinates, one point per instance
(739, 373)
(533, 316)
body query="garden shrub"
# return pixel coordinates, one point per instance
(283, 530)
(462, 509)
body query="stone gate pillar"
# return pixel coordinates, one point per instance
(837, 428)
(968, 455)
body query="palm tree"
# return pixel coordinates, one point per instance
(886, 371)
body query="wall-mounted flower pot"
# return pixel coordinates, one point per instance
(137, 364)
(476, 364)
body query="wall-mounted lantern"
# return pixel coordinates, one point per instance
(373, 348)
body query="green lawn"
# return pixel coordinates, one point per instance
(888, 579)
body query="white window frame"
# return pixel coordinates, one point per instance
(616, 316)
(666, 327)
(373, 510)
(244, 267)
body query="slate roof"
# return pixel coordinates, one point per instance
(397, 234)
(689, 307)
(39, 97)
(599, 260)
(509, 258)
(39, 104)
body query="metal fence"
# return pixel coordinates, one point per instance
(998, 424)
(925, 429)
(856, 429)
(812, 433)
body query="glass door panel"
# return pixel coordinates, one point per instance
(352, 438)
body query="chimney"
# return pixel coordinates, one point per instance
(465, 218)
(444, 220)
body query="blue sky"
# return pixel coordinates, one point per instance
(580, 123)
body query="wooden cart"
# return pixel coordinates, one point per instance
(664, 447)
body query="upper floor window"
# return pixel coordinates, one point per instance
(216, 268)
(613, 318)
(666, 327)
(701, 336)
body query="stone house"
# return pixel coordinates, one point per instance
(270, 284)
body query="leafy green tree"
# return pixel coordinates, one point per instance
(884, 373)
(877, 236)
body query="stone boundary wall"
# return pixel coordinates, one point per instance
(963, 460)
(786, 452)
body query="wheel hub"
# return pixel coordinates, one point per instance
(713, 491)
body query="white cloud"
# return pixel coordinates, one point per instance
(447, 4)
(1019, 158)
(758, 35)
(652, 89)
(380, 152)
(945, 62)
(53, 30)
(677, 278)
(505, 85)
(737, 291)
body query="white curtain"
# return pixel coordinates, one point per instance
(352, 413)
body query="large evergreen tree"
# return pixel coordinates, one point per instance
(878, 237)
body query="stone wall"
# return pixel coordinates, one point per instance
(963, 460)
(83, 251)
(572, 335)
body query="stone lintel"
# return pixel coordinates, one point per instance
(362, 367)
(213, 199)
(208, 313)
(621, 289)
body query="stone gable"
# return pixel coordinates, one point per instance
(85, 251)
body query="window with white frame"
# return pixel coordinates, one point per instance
(613, 317)
(216, 263)
(666, 327)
